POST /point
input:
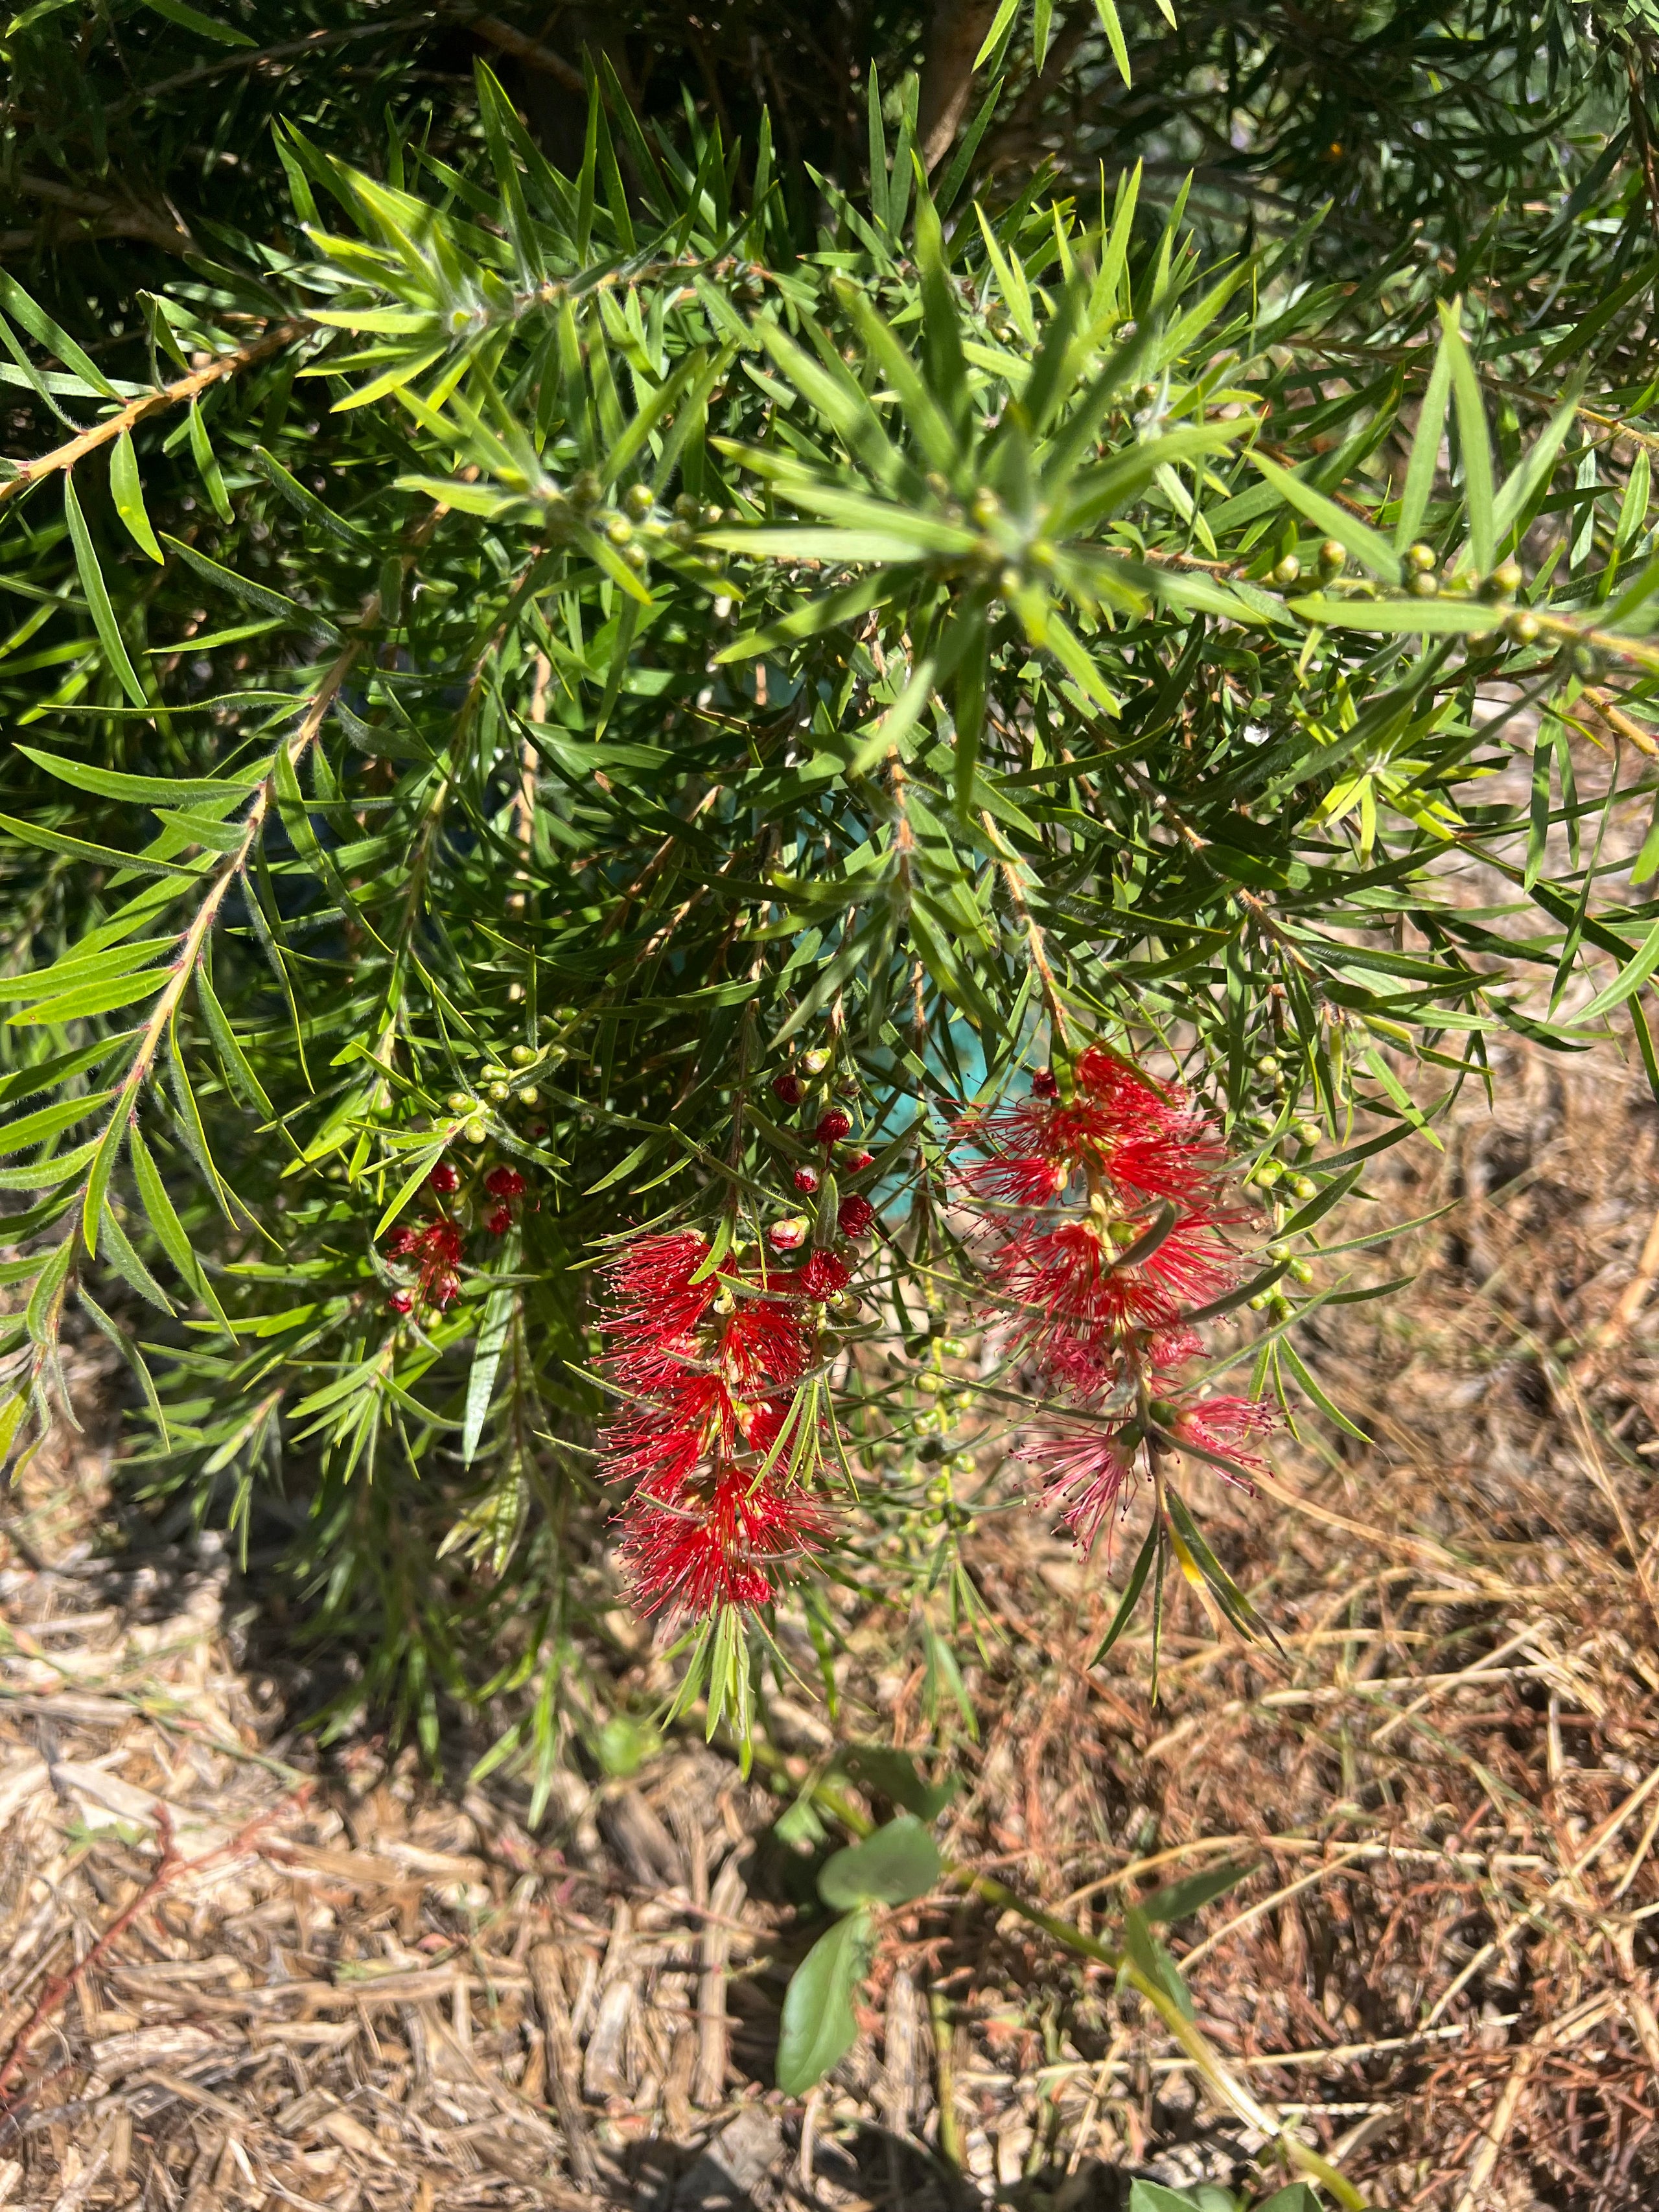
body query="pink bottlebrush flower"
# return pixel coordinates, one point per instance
(1225, 1426)
(1087, 1470)
(440, 1251)
(723, 1540)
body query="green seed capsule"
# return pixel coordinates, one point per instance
(499, 1093)
(474, 1132)
(1267, 1064)
(1423, 585)
(530, 1096)
(1333, 557)
(1522, 629)
(1308, 1133)
(638, 500)
(522, 1055)
(1287, 571)
(1259, 1303)
(1301, 1271)
(1304, 1187)
(459, 1101)
(1506, 579)
(494, 1074)
(1420, 557)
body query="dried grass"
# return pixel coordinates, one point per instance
(347, 1988)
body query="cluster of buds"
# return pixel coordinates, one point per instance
(852, 1214)
(433, 1253)
(1103, 1210)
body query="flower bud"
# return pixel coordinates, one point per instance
(458, 1102)
(1287, 571)
(522, 1055)
(855, 1216)
(856, 1161)
(833, 1127)
(445, 1177)
(1420, 557)
(474, 1132)
(788, 1089)
(504, 1181)
(1522, 629)
(789, 1234)
(1045, 1083)
(401, 1302)
(805, 1181)
(500, 1221)
(816, 1061)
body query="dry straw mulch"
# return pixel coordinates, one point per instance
(235, 1973)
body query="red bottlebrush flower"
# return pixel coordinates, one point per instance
(788, 1089)
(440, 1250)
(401, 1243)
(833, 1127)
(1144, 1139)
(1087, 1470)
(856, 1162)
(855, 1216)
(805, 1181)
(761, 1348)
(500, 1221)
(402, 1302)
(723, 1540)
(787, 1235)
(655, 1307)
(823, 1277)
(504, 1181)
(1045, 1083)
(445, 1177)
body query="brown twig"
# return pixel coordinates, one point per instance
(176, 394)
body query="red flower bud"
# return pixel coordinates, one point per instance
(500, 1221)
(789, 1089)
(445, 1177)
(856, 1162)
(504, 1182)
(833, 1127)
(401, 1302)
(788, 1235)
(401, 1243)
(855, 1217)
(445, 1290)
(805, 1181)
(1045, 1083)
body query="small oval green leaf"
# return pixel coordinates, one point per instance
(898, 1863)
(819, 2026)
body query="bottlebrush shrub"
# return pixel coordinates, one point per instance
(574, 727)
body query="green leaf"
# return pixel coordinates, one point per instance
(102, 856)
(147, 790)
(1447, 617)
(204, 27)
(56, 340)
(97, 595)
(1475, 445)
(894, 1774)
(207, 465)
(1630, 978)
(128, 494)
(1132, 1590)
(818, 2027)
(1179, 1900)
(47, 1121)
(486, 1359)
(1421, 469)
(897, 1864)
(257, 595)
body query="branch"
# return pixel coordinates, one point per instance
(529, 51)
(152, 402)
